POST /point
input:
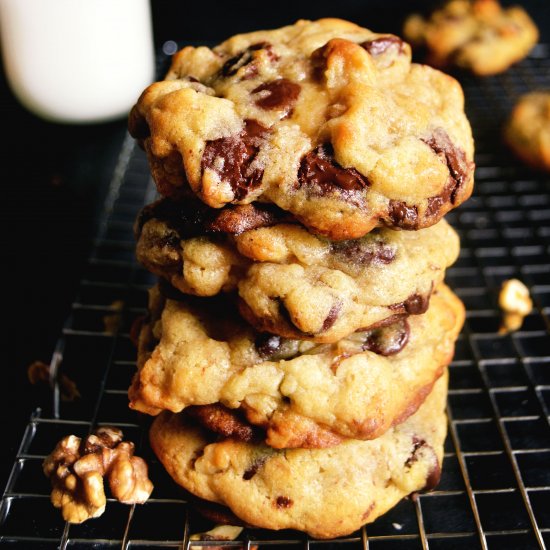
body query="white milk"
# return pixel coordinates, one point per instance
(77, 60)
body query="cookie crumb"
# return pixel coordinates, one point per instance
(218, 532)
(515, 303)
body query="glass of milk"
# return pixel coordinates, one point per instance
(77, 61)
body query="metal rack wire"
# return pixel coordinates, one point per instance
(495, 488)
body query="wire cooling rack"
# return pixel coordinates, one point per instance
(495, 488)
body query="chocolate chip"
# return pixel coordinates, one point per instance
(232, 157)
(246, 58)
(403, 215)
(363, 253)
(267, 345)
(253, 470)
(332, 316)
(388, 340)
(280, 94)
(454, 157)
(319, 169)
(416, 304)
(417, 445)
(382, 44)
(283, 502)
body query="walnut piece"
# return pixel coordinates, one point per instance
(76, 468)
(40, 372)
(515, 302)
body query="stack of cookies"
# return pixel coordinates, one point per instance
(296, 345)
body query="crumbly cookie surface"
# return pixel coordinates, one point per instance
(325, 492)
(478, 35)
(291, 282)
(527, 131)
(325, 119)
(303, 394)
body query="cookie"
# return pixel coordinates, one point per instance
(290, 282)
(327, 120)
(527, 131)
(477, 35)
(324, 492)
(301, 393)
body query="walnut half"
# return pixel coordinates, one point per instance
(76, 468)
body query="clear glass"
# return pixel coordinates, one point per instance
(77, 60)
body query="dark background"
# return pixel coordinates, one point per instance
(54, 178)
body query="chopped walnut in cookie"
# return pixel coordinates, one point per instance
(76, 468)
(515, 302)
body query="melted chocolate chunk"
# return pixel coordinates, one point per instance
(380, 45)
(319, 169)
(223, 421)
(253, 470)
(283, 502)
(360, 254)
(403, 215)
(232, 157)
(191, 217)
(388, 340)
(332, 316)
(246, 58)
(268, 345)
(436, 203)
(454, 157)
(280, 94)
(245, 217)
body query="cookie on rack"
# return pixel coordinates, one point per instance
(291, 282)
(327, 120)
(324, 492)
(198, 352)
(527, 130)
(477, 35)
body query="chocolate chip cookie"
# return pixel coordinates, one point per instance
(527, 131)
(290, 282)
(302, 394)
(329, 121)
(477, 35)
(324, 492)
